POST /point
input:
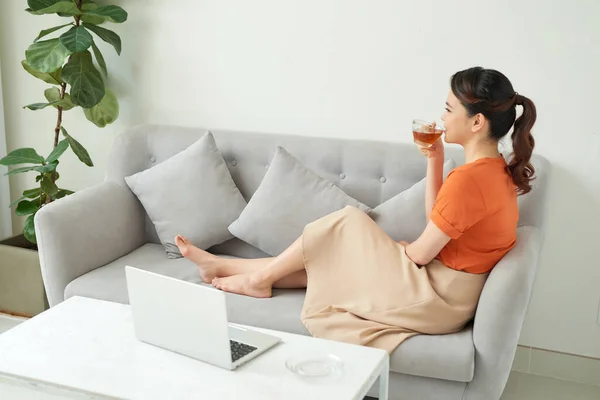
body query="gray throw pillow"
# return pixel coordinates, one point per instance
(403, 216)
(192, 194)
(289, 197)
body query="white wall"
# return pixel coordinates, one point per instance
(357, 69)
(5, 220)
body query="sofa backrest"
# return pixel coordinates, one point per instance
(370, 171)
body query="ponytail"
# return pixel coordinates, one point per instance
(520, 168)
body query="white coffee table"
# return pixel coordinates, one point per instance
(85, 348)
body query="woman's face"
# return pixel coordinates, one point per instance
(457, 122)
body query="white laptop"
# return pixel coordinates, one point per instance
(191, 320)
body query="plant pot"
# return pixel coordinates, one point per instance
(21, 287)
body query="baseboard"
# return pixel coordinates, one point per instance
(9, 321)
(554, 364)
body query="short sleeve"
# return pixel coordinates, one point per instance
(459, 205)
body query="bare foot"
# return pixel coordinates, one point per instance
(205, 261)
(246, 284)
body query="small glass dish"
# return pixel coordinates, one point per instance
(316, 365)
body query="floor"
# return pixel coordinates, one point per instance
(520, 386)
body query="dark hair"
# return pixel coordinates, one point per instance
(490, 93)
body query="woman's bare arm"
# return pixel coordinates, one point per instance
(432, 240)
(435, 174)
(435, 171)
(427, 246)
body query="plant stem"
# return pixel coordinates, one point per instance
(63, 88)
(78, 17)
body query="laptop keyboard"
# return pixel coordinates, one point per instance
(239, 350)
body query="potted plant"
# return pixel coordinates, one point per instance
(62, 56)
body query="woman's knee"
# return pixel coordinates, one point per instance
(353, 212)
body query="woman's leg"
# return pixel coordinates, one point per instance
(212, 266)
(259, 283)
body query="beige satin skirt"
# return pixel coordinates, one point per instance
(363, 289)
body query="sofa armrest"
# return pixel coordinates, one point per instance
(84, 231)
(500, 314)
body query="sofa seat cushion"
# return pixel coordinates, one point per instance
(282, 312)
(449, 357)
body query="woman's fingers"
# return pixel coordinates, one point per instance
(428, 151)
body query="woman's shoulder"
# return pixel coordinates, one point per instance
(460, 183)
(487, 179)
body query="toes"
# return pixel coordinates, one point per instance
(183, 245)
(221, 284)
(181, 241)
(178, 241)
(221, 287)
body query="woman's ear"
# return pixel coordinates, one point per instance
(478, 123)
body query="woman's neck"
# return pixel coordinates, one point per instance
(476, 150)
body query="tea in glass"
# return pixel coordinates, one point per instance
(426, 133)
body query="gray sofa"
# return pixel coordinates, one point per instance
(86, 239)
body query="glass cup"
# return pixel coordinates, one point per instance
(425, 133)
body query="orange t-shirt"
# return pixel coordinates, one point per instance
(477, 207)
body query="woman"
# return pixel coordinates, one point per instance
(364, 288)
